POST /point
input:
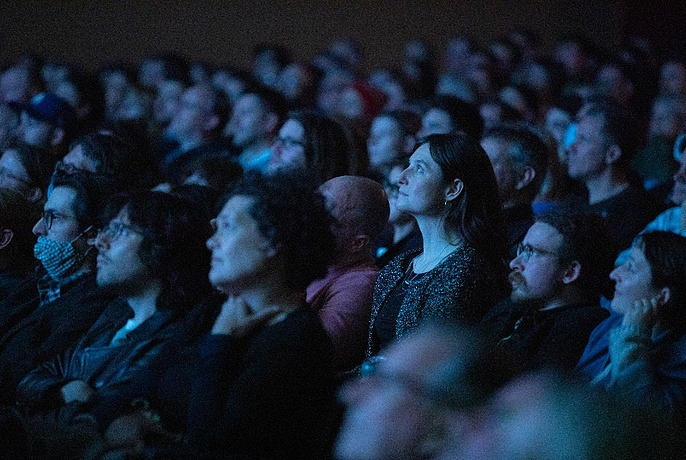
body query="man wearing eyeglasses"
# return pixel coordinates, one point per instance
(60, 302)
(561, 268)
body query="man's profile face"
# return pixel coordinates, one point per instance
(34, 131)
(64, 226)
(247, 122)
(539, 278)
(587, 152)
(119, 265)
(503, 167)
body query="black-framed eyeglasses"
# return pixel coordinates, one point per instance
(526, 252)
(289, 142)
(114, 230)
(49, 217)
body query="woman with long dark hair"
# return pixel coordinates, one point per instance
(449, 187)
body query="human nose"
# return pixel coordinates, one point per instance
(517, 263)
(40, 229)
(615, 274)
(402, 179)
(211, 243)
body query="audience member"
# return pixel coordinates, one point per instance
(196, 127)
(399, 408)
(26, 169)
(519, 160)
(55, 306)
(601, 158)
(255, 118)
(47, 121)
(557, 279)
(343, 298)
(17, 216)
(392, 138)
(450, 189)
(450, 115)
(642, 357)
(151, 258)
(309, 141)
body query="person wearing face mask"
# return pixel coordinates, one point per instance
(53, 309)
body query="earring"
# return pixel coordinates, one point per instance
(445, 203)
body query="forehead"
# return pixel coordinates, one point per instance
(61, 199)
(237, 206)
(591, 124)
(543, 236)
(637, 256)
(10, 160)
(384, 124)
(292, 128)
(495, 148)
(422, 154)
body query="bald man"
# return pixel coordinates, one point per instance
(343, 298)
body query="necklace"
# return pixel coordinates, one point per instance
(410, 274)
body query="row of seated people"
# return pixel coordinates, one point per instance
(251, 372)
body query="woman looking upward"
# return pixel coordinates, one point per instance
(450, 189)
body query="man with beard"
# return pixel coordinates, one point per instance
(557, 278)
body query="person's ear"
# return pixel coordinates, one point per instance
(271, 122)
(454, 190)
(359, 242)
(664, 295)
(527, 176)
(34, 194)
(5, 237)
(612, 154)
(572, 272)
(57, 137)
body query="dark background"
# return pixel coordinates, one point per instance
(91, 33)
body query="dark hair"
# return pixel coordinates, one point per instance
(174, 234)
(219, 106)
(464, 115)
(409, 121)
(19, 215)
(113, 157)
(328, 146)
(92, 192)
(525, 149)
(272, 101)
(476, 215)
(619, 127)
(666, 255)
(585, 239)
(292, 216)
(36, 161)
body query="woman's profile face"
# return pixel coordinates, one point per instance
(633, 281)
(288, 150)
(421, 187)
(239, 250)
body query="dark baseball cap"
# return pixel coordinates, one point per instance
(49, 108)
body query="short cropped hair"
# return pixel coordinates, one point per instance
(92, 192)
(585, 239)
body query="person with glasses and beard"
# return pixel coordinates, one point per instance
(58, 303)
(557, 279)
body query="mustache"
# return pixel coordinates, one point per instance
(516, 277)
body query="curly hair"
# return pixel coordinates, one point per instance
(173, 248)
(292, 216)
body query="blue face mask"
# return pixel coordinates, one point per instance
(60, 259)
